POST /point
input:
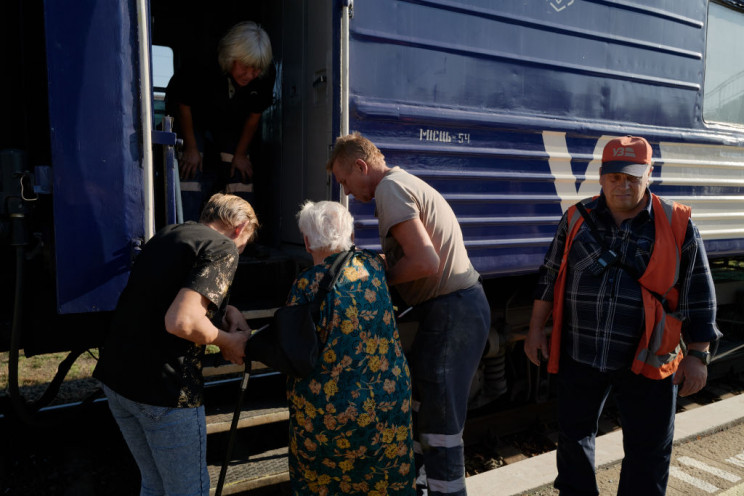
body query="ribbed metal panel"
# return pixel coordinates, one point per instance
(505, 108)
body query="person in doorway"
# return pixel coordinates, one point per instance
(624, 271)
(350, 419)
(174, 304)
(217, 108)
(428, 264)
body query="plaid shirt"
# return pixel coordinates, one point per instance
(604, 317)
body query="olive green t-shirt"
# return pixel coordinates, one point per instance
(401, 196)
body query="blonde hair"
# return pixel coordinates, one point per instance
(351, 147)
(247, 43)
(327, 225)
(231, 211)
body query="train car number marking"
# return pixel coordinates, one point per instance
(443, 136)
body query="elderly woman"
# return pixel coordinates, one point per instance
(350, 420)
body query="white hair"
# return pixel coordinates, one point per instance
(247, 43)
(327, 225)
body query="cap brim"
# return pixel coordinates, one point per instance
(630, 168)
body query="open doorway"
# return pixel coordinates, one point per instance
(296, 130)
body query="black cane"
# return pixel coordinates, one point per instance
(233, 428)
(234, 424)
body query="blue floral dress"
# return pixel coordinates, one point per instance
(350, 420)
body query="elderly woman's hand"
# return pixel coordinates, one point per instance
(234, 320)
(232, 346)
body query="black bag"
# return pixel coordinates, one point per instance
(290, 344)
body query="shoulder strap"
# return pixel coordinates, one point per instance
(330, 278)
(592, 226)
(327, 284)
(600, 239)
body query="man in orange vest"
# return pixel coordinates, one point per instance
(627, 281)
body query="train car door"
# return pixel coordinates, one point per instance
(96, 148)
(307, 96)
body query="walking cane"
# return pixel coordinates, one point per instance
(234, 424)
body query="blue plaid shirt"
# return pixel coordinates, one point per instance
(603, 313)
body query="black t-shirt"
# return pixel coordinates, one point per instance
(141, 360)
(219, 107)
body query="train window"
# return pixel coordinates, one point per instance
(162, 70)
(723, 97)
(162, 67)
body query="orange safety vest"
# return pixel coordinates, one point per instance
(659, 351)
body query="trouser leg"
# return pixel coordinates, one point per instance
(647, 408)
(151, 484)
(446, 351)
(178, 439)
(195, 192)
(168, 444)
(582, 392)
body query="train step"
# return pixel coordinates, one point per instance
(252, 414)
(259, 457)
(256, 471)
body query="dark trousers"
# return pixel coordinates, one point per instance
(444, 357)
(214, 177)
(646, 408)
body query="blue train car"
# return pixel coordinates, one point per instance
(502, 106)
(505, 109)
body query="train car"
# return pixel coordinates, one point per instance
(504, 107)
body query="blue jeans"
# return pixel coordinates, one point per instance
(646, 408)
(168, 444)
(444, 357)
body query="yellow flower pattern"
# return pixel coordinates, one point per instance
(350, 420)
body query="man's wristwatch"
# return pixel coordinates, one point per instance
(704, 356)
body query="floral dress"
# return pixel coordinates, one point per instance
(350, 420)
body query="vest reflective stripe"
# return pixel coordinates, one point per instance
(658, 353)
(647, 357)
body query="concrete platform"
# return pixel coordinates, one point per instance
(720, 471)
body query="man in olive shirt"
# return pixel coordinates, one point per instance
(428, 264)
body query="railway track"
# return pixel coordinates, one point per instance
(501, 433)
(89, 452)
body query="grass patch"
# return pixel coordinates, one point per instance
(40, 369)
